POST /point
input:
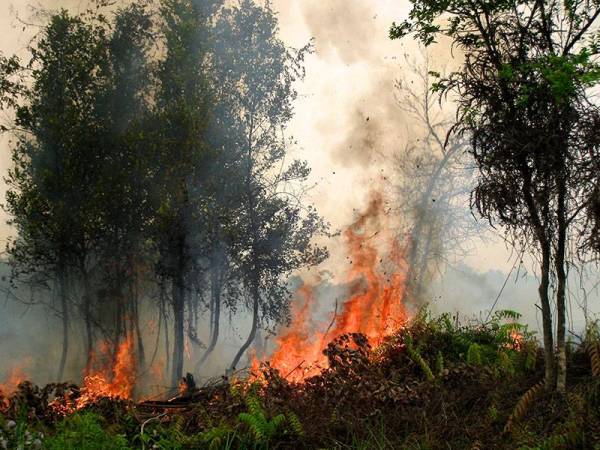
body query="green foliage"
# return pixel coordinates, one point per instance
(523, 97)
(417, 358)
(474, 355)
(19, 433)
(83, 431)
(262, 428)
(439, 363)
(501, 342)
(221, 437)
(295, 423)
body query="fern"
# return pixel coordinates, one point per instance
(295, 424)
(523, 405)
(439, 363)
(474, 355)
(262, 429)
(417, 358)
(217, 437)
(506, 363)
(594, 354)
(503, 314)
(571, 439)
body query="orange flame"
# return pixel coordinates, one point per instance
(15, 376)
(117, 381)
(373, 308)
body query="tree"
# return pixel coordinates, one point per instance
(181, 120)
(51, 193)
(75, 162)
(125, 174)
(523, 100)
(274, 229)
(433, 181)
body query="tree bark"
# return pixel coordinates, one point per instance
(215, 292)
(178, 324)
(549, 377)
(546, 249)
(244, 347)
(65, 326)
(561, 278)
(141, 353)
(87, 312)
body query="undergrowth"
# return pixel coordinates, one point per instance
(435, 384)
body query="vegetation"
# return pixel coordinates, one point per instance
(150, 173)
(368, 398)
(523, 97)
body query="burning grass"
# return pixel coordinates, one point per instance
(432, 384)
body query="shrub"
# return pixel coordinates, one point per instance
(83, 431)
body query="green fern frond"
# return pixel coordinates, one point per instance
(439, 363)
(505, 314)
(474, 355)
(295, 424)
(506, 363)
(253, 405)
(417, 358)
(257, 426)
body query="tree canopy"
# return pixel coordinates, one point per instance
(523, 96)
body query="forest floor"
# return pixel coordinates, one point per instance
(435, 384)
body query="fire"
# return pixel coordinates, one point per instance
(15, 376)
(373, 308)
(113, 381)
(516, 340)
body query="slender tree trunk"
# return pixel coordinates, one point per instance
(415, 235)
(163, 311)
(546, 249)
(178, 324)
(65, 325)
(550, 379)
(141, 353)
(215, 300)
(418, 287)
(250, 339)
(87, 312)
(561, 278)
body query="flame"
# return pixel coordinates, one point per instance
(517, 340)
(377, 280)
(15, 376)
(116, 381)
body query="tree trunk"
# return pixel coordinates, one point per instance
(423, 218)
(549, 376)
(163, 311)
(178, 324)
(65, 326)
(545, 248)
(420, 279)
(561, 278)
(244, 347)
(141, 353)
(215, 300)
(87, 312)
